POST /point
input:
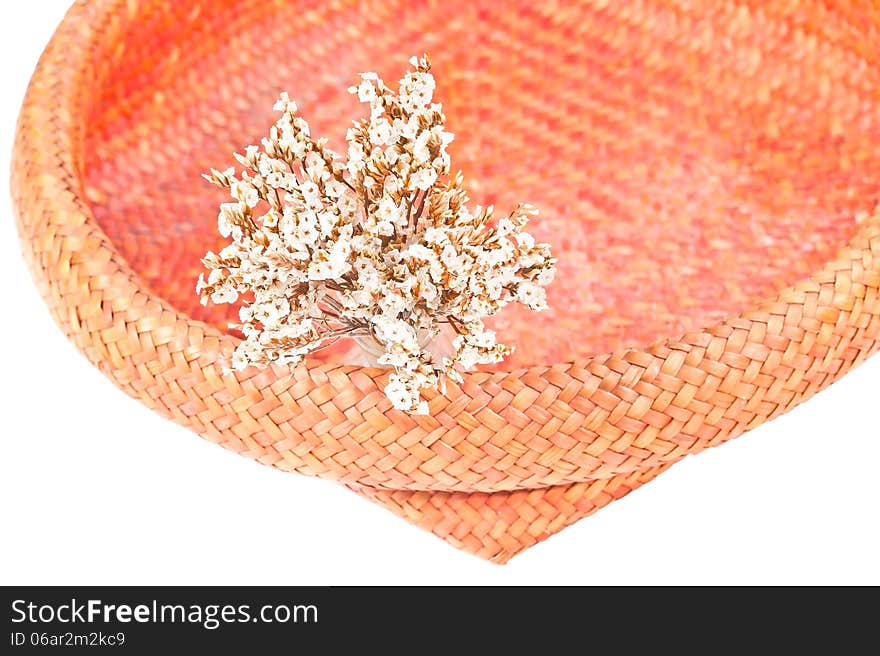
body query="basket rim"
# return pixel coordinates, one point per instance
(799, 340)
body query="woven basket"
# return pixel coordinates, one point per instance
(707, 173)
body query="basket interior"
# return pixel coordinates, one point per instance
(686, 165)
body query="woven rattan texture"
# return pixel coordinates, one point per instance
(707, 174)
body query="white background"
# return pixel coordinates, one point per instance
(96, 489)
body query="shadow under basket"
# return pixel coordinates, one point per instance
(707, 174)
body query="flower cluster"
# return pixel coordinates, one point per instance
(380, 245)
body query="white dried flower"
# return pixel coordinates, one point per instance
(423, 179)
(245, 192)
(380, 245)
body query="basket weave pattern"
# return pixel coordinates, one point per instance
(707, 176)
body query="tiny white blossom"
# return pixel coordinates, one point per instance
(390, 211)
(225, 218)
(366, 91)
(423, 179)
(381, 132)
(285, 104)
(311, 193)
(244, 192)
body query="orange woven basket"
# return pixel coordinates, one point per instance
(708, 175)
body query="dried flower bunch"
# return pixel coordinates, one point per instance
(379, 246)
